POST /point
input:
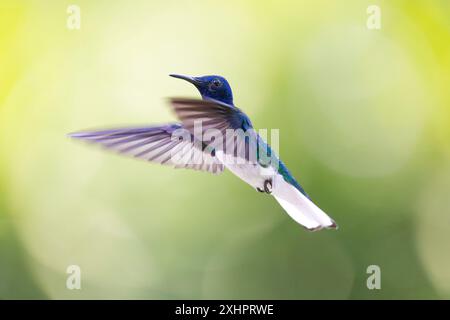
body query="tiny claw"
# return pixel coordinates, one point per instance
(268, 186)
(259, 189)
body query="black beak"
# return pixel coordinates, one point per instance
(192, 80)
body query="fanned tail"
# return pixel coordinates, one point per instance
(300, 208)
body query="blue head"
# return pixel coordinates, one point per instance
(210, 87)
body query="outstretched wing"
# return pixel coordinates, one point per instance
(237, 138)
(159, 144)
(212, 114)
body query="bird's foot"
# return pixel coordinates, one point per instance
(268, 186)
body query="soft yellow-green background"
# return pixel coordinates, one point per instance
(364, 123)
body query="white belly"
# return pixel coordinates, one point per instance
(253, 174)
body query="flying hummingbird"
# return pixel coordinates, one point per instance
(216, 113)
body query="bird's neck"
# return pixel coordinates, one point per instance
(227, 100)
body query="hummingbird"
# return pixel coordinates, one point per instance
(215, 111)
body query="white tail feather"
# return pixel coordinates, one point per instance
(299, 207)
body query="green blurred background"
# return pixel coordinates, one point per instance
(364, 123)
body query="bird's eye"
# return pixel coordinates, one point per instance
(216, 83)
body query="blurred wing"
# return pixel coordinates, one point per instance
(156, 144)
(239, 139)
(212, 114)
